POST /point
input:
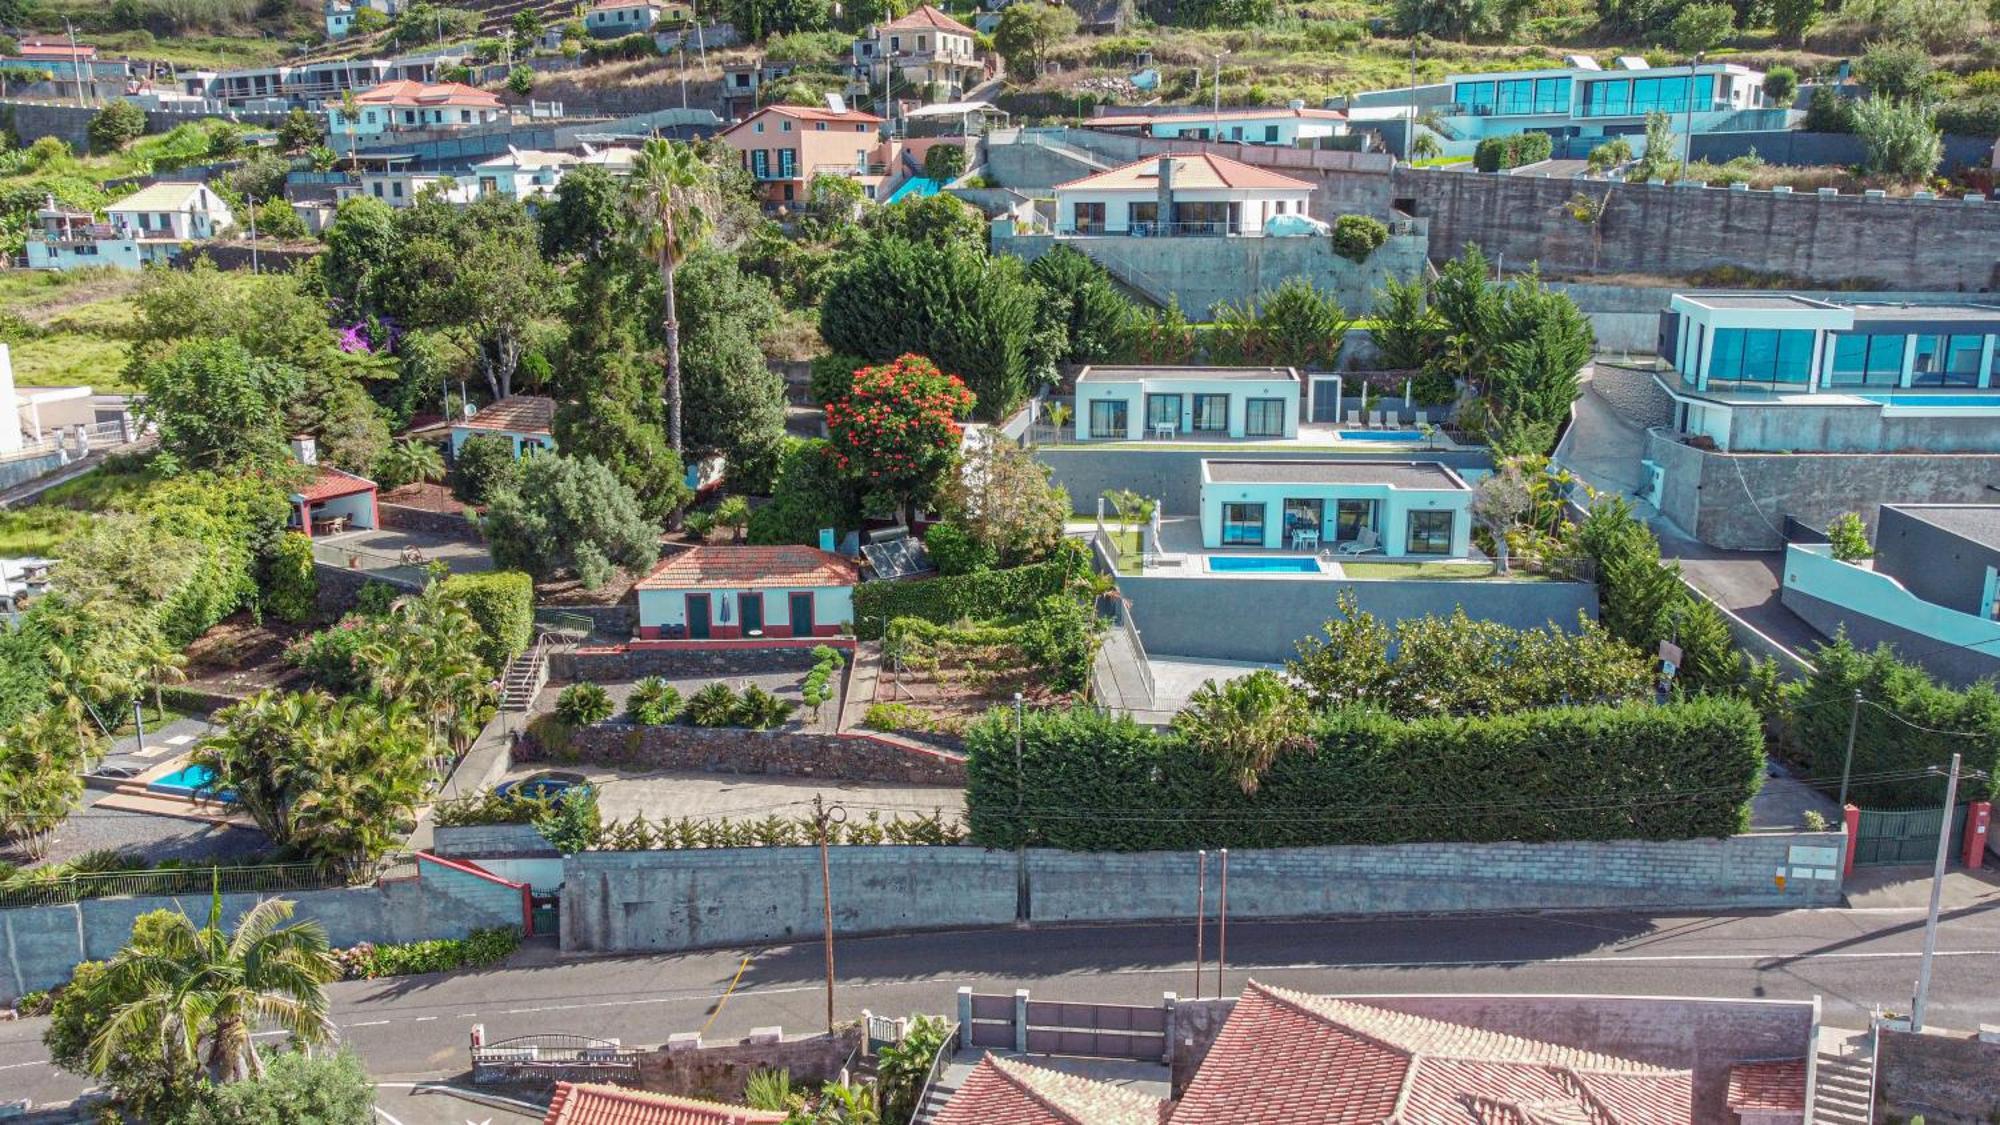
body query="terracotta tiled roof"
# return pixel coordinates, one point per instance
(516, 414)
(31, 49)
(614, 5)
(1288, 1057)
(930, 17)
(1191, 170)
(811, 113)
(329, 482)
(581, 1103)
(1778, 1085)
(404, 91)
(1267, 113)
(1004, 1090)
(738, 567)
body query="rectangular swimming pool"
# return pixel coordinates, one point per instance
(1990, 401)
(1380, 435)
(1262, 564)
(187, 781)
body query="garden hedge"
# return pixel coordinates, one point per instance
(503, 602)
(1496, 154)
(1820, 708)
(983, 596)
(1637, 771)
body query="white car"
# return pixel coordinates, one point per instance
(1295, 226)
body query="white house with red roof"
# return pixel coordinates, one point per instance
(615, 19)
(1179, 194)
(332, 501)
(923, 49)
(785, 146)
(405, 105)
(714, 592)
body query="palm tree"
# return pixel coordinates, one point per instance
(411, 461)
(40, 779)
(268, 751)
(1245, 724)
(350, 114)
(673, 195)
(197, 996)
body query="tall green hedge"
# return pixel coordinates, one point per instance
(1894, 735)
(1496, 154)
(503, 602)
(985, 595)
(1090, 782)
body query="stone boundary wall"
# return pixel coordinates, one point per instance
(472, 841)
(402, 517)
(846, 757)
(1632, 394)
(1949, 1077)
(687, 1067)
(622, 662)
(672, 900)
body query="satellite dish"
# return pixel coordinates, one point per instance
(836, 103)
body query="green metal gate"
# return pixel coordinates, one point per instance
(1891, 837)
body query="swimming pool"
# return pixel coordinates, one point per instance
(1380, 435)
(1263, 564)
(1905, 401)
(186, 781)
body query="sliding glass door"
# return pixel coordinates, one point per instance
(1243, 525)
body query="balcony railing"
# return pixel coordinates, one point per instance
(854, 170)
(1219, 228)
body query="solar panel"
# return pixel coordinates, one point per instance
(898, 558)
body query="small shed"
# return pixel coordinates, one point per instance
(335, 501)
(724, 593)
(529, 421)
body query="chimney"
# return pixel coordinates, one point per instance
(1166, 214)
(304, 449)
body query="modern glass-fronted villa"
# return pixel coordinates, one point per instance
(1391, 508)
(1778, 372)
(1138, 403)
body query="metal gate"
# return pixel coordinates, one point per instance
(1889, 837)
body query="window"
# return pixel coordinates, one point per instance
(377, 185)
(819, 126)
(1351, 518)
(785, 126)
(1303, 515)
(1243, 525)
(1270, 134)
(396, 189)
(1211, 414)
(1866, 360)
(1089, 217)
(1474, 98)
(1264, 417)
(757, 127)
(1961, 363)
(1430, 533)
(1766, 357)
(1163, 410)
(1107, 418)
(1517, 95)
(788, 161)
(760, 163)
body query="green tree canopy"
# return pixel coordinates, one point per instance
(1028, 33)
(569, 514)
(217, 406)
(896, 433)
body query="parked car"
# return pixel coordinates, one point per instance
(552, 786)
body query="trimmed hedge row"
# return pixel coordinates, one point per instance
(503, 603)
(1636, 771)
(985, 595)
(1497, 153)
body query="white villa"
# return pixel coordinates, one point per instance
(408, 106)
(1391, 508)
(145, 228)
(1293, 126)
(613, 19)
(1141, 403)
(1184, 194)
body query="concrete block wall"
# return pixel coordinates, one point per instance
(664, 901)
(1738, 501)
(41, 945)
(1945, 244)
(1269, 615)
(472, 840)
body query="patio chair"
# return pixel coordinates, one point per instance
(1365, 542)
(1354, 419)
(1381, 421)
(1423, 418)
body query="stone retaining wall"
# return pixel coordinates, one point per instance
(1633, 395)
(846, 757)
(402, 517)
(1949, 1077)
(620, 663)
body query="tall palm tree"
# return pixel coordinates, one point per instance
(268, 751)
(198, 995)
(350, 114)
(673, 195)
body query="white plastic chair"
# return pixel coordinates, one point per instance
(1365, 542)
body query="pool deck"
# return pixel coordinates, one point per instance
(1319, 436)
(1181, 555)
(137, 795)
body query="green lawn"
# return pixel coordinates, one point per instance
(69, 328)
(97, 490)
(1130, 549)
(1387, 569)
(35, 531)
(154, 719)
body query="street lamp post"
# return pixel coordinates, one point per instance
(1937, 890)
(823, 819)
(1200, 916)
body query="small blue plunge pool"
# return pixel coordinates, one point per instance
(1262, 564)
(1380, 435)
(187, 781)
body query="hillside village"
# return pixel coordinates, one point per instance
(1053, 561)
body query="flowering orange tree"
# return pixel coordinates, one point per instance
(896, 433)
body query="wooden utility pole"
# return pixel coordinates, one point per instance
(824, 818)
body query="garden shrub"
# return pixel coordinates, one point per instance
(759, 709)
(654, 702)
(1496, 154)
(1355, 237)
(580, 705)
(483, 466)
(955, 551)
(503, 602)
(993, 593)
(832, 375)
(291, 585)
(476, 950)
(1092, 782)
(712, 706)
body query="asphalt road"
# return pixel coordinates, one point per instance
(1853, 959)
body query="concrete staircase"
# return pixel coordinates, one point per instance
(525, 677)
(949, 1079)
(1844, 1078)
